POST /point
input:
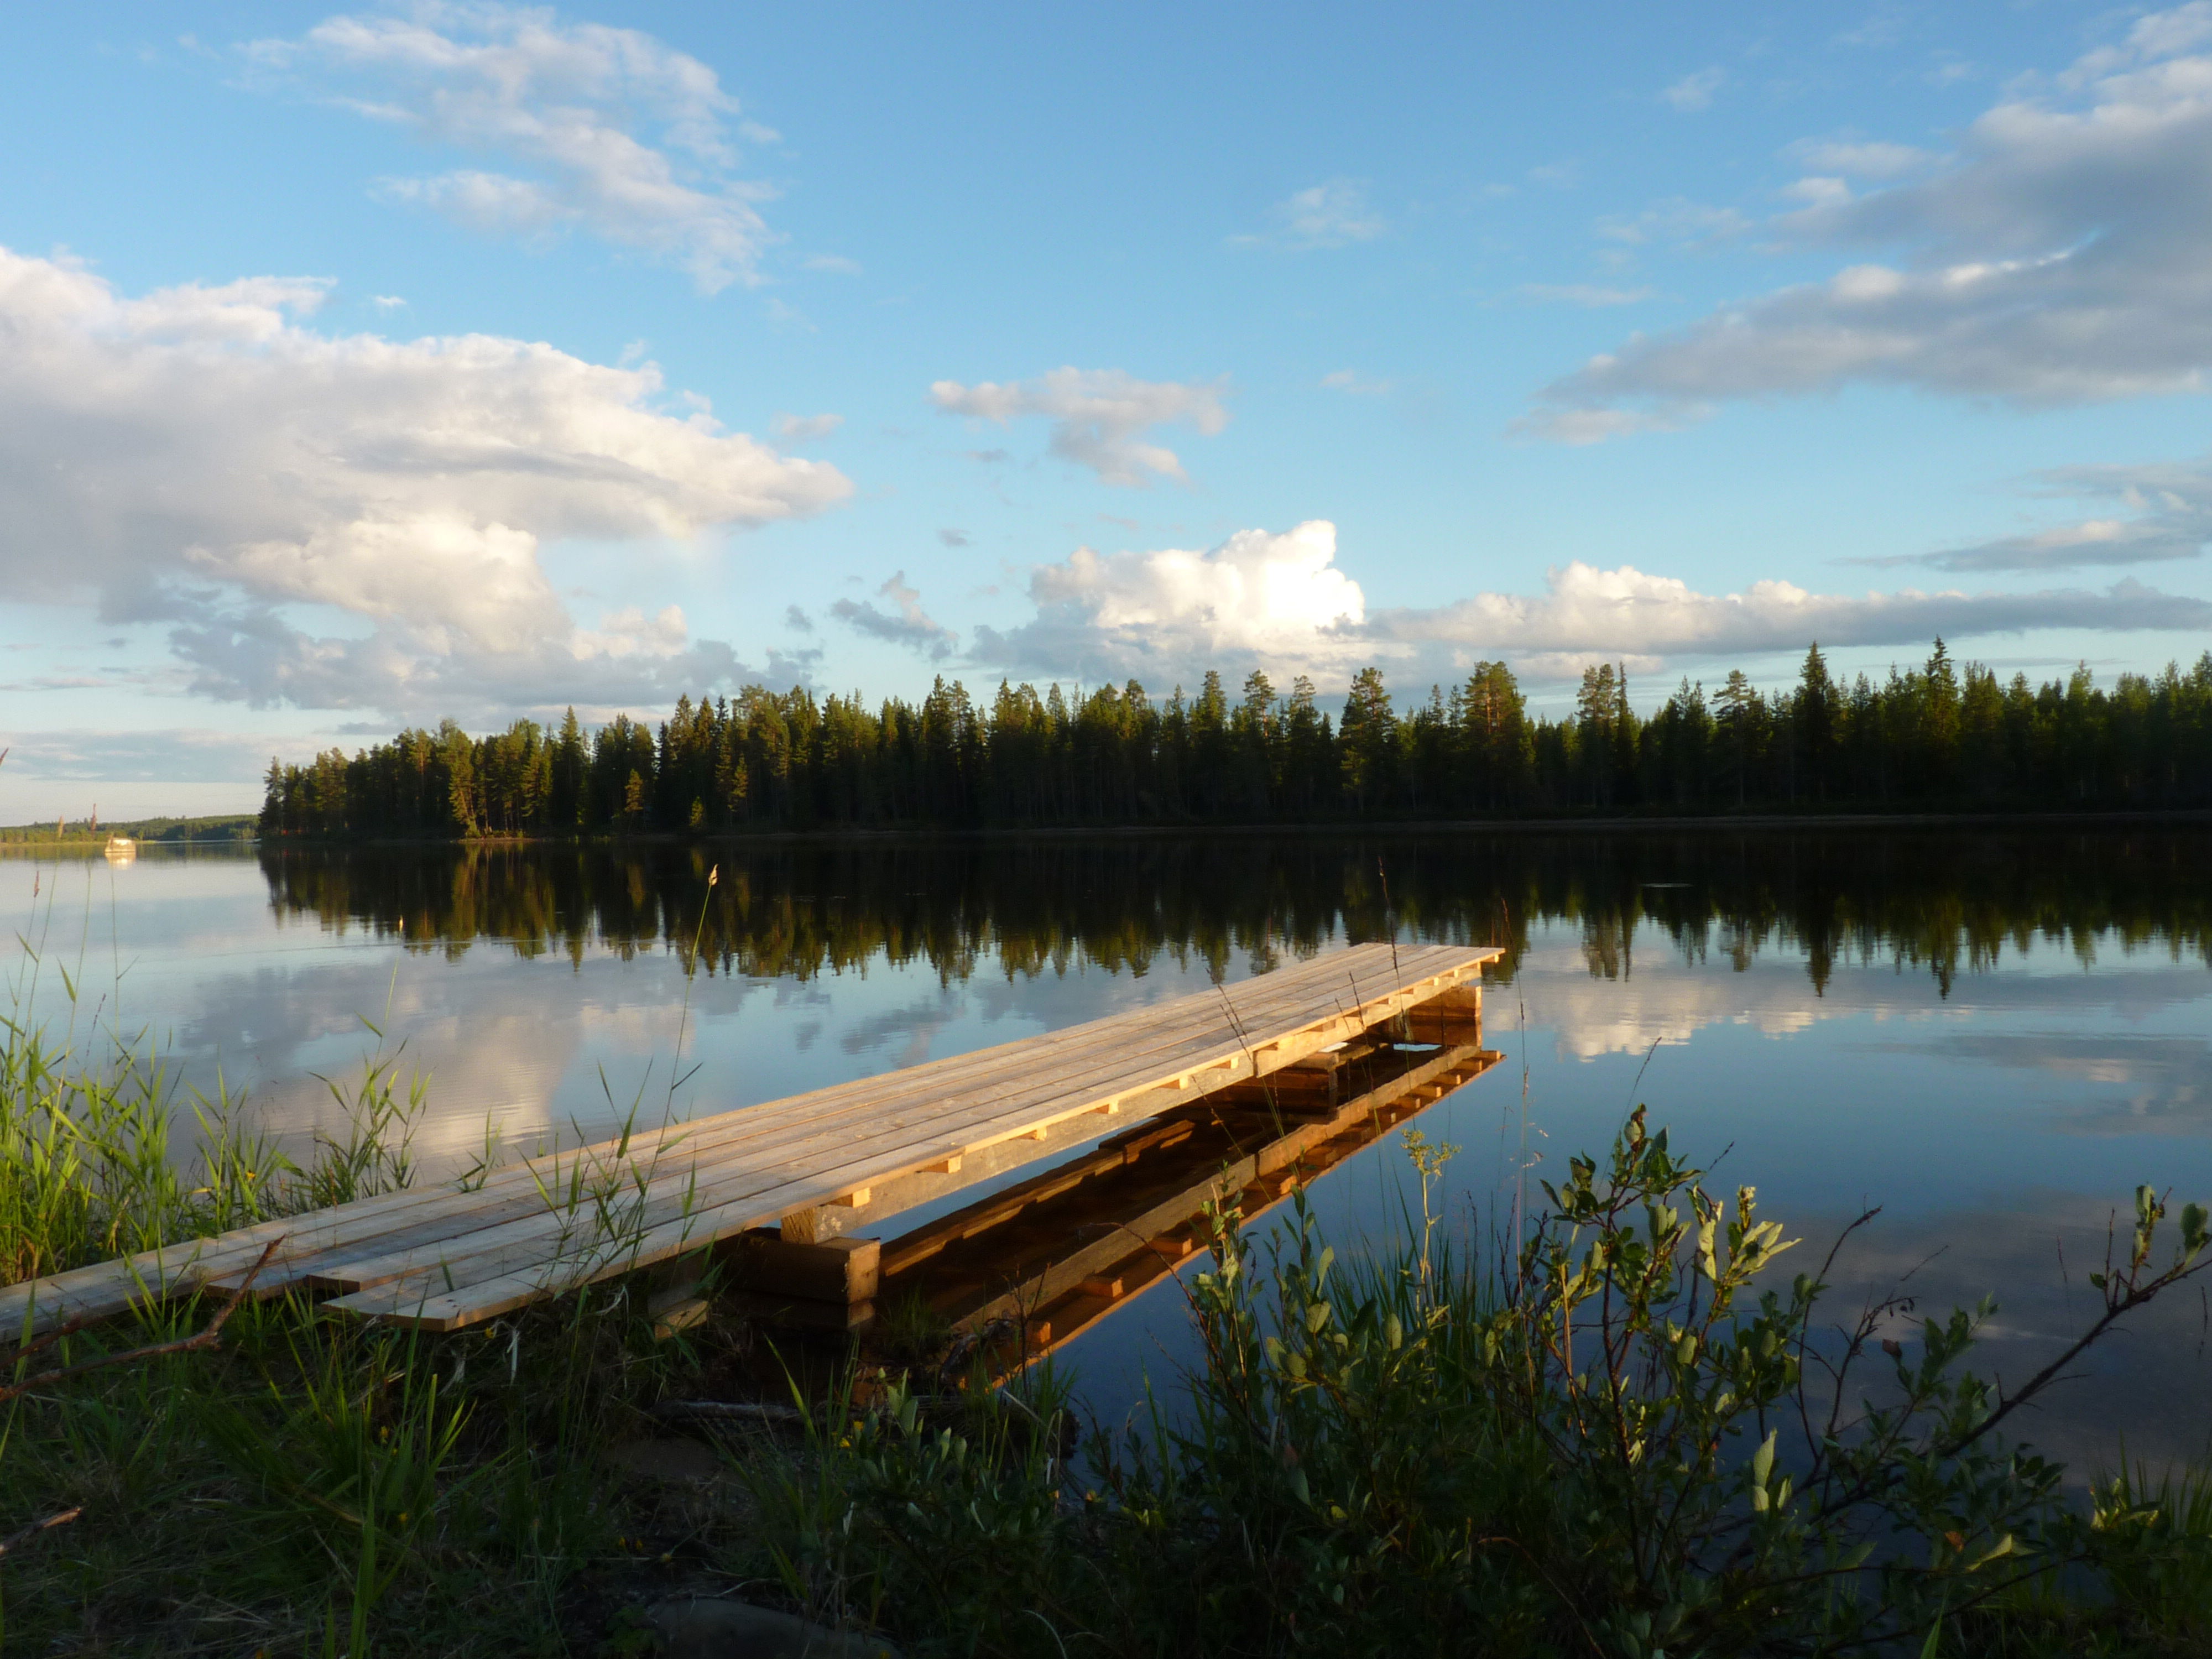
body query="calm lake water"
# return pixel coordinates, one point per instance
(1994, 1036)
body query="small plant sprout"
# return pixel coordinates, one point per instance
(1429, 1159)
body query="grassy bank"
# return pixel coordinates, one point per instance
(1628, 1435)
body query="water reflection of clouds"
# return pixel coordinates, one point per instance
(1041, 1002)
(1662, 1002)
(614, 1020)
(1658, 997)
(2163, 1082)
(1968, 1104)
(2152, 1374)
(1074, 994)
(913, 1026)
(487, 1054)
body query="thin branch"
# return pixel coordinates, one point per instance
(2115, 1309)
(206, 1339)
(59, 1518)
(758, 1411)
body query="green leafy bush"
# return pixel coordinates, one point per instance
(1611, 1441)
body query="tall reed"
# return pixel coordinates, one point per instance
(90, 1163)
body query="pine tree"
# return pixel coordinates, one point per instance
(1815, 721)
(1368, 740)
(1739, 704)
(566, 808)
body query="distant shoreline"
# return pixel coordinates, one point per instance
(26, 839)
(1616, 824)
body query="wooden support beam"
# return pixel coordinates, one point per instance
(800, 1314)
(676, 1309)
(841, 1270)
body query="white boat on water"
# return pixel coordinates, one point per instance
(121, 848)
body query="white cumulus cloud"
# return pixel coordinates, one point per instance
(2057, 258)
(1280, 601)
(203, 454)
(1328, 214)
(1694, 91)
(1259, 595)
(1099, 416)
(612, 131)
(1585, 612)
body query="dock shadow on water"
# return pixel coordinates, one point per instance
(1395, 1406)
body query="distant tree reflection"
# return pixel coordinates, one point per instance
(1934, 902)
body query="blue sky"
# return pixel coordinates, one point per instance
(359, 366)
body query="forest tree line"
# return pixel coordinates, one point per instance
(1940, 736)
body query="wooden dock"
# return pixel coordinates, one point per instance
(814, 1167)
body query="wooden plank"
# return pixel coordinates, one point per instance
(83, 1291)
(1013, 1089)
(552, 1238)
(794, 1140)
(498, 1250)
(510, 1247)
(530, 1210)
(419, 1212)
(711, 1137)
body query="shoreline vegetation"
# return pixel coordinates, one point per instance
(86, 835)
(1614, 1427)
(243, 832)
(1941, 738)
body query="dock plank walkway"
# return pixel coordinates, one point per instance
(443, 1257)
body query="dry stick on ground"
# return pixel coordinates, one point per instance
(210, 1338)
(60, 1519)
(762, 1411)
(199, 1342)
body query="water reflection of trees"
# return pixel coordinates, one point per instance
(1930, 902)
